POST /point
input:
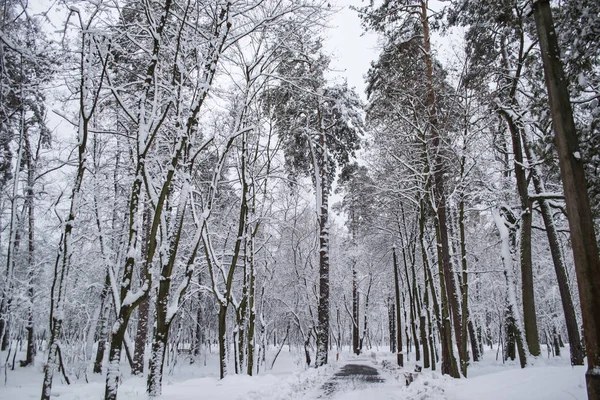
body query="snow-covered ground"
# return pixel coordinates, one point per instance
(546, 379)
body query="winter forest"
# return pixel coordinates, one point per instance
(195, 203)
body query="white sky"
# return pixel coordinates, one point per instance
(352, 49)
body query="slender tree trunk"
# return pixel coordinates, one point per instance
(29, 205)
(199, 329)
(412, 297)
(583, 237)
(163, 312)
(423, 330)
(399, 354)
(474, 341)
(392, 324)
(428, 280)
(529, 315)
(512, 325)
(464, 281)
(144, 308)
(251, 310)
(355, 309)
(87, 105)
(105, 302)
(365, 325)
(222, 340)
(323, 309)
(450, 308)
(577, 354)
(449, 365)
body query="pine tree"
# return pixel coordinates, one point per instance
(320, 126)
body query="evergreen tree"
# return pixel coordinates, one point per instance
(320, 126)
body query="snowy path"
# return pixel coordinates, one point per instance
(352, 376)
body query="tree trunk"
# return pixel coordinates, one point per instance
(252, 311)
(512, 324)
(583, 237)
(144, 308)
(464, 280)
(392, 324)
(114, 358)
(423, 330)
(529, 315)
(447, 282)
(164, 312)
(411, 288)
(577, 354)
(428, 281)
(199, 331)
(355, 309)
(61, 266)
(474, 341)
(323, 309)
(222, 341)
(104, 316)
(29, 205)
(399, 354)
(365, 328)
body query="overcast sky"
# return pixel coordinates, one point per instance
(352, 49)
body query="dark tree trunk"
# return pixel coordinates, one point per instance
(144, 309)
(412, 296)
(555, 342)
(252, 318)
(30, 162)
(199, 331)
(392, 324)
(474, 341)
(104, 315)
(323, 309)
(529, 315)
(428, 280)
(355, 315)
(399, 355)
(423, 331)
(575, 347)
(450, 308)
(222, 341)
(365, 325)
(583, 237)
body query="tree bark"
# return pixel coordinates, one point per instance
(355, 309)
(104, 316)
(527, 291)
(144, 309)
(447, 282)
(392, 324)
(576, 349)
(251, 310)
(583, 237)
(29, 205)
(428, 280)
(323, 308)
(399, 354)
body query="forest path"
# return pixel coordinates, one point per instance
(356, 375)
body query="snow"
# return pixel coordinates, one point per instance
(548, 379)
(548, 383)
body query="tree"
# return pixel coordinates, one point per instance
(94, 47)
(583, 237)
(320, 126)
(358, 203)
(406, 28)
